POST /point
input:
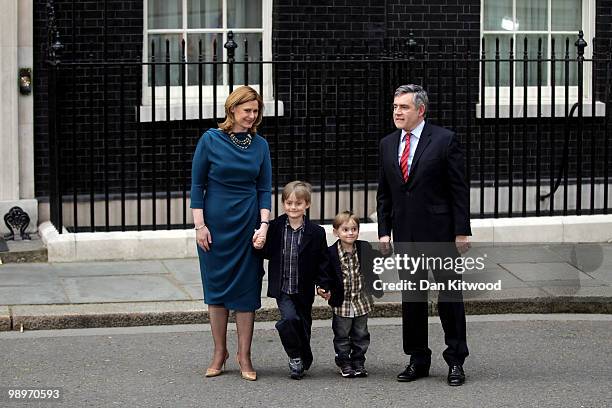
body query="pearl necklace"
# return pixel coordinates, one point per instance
(241, 143)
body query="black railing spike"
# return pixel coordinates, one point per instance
(483, 52)
(580, 44)
(411, 43)
(230, 46)
(54, 45)
(539, 48)
(552, 47)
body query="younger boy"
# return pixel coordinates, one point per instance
(350, 263)
(297, 250)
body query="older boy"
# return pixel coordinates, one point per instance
(297, 250)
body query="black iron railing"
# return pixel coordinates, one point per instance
(120, 154)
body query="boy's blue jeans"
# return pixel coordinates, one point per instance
(294, 327)
(351, 339)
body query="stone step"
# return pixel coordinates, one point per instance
(24, 251)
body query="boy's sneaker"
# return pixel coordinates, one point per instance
(296, 368)
(347, 371)
(360, 371)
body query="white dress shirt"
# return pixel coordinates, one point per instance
(414, 141)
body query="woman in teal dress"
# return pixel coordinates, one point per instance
(231, 200)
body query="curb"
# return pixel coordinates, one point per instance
(5, 318)
(52, 317)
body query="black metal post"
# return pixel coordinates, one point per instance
(496, 133)
(566, 130)
(580, 45)
(511, 143)
(525, 108)
(168, 137)
(552, 126)
(593, 130)
(183, 162)
(54, 46)
(230, 46)
(481, 156)
(538, 127)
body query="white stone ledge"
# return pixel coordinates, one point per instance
(132, 245)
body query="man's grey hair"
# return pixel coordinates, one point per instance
(420, 95)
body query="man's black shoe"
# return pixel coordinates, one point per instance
(456, 376)
(307, 361)
(413, 372)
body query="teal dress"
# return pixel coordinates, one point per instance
(231, 185)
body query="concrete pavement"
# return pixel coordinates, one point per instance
(535, 278)
(515, 361)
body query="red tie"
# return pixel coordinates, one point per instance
(404, 158)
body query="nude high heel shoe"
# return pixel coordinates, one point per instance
(213, 372)
(247, 375)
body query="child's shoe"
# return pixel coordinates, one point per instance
(347, 371)
(360, 370)
(296, 368)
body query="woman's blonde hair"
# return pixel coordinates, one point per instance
(241, 95)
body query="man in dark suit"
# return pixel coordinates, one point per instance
(423, 200)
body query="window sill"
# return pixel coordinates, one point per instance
(532, 109)
(192, 111)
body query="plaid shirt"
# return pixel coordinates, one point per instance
(291, 245)
(356, 301)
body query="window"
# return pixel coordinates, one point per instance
(545, 21)
(205, 24)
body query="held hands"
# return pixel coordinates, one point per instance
(259, 237)
(203, 238)
(325, 294)
(385, 245)
(463, 243)
(258, 243)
